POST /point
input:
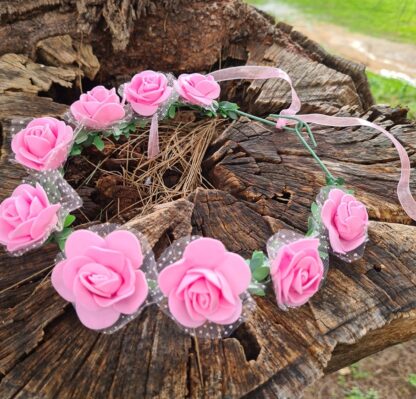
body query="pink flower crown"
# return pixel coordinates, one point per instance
(110, 273)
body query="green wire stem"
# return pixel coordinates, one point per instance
(297, 130)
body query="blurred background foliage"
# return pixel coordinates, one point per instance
(386, 26)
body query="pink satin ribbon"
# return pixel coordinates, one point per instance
(255, 72)
(404, 194)
(153, 145)
(252, 72)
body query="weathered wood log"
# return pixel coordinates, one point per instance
(262, 180)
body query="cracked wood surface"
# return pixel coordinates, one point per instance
(263, 180)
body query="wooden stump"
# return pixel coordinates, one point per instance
(262, 180)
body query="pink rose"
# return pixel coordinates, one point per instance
(44, 144)
(101, 276)
(98, 108)
(297, 271)
(26, 217)
(205, 284)
(346, 220)
(198, 89)
(147, 91)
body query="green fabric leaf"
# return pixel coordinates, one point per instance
(75, 150)
(258, 292)
(257, 260)
(261, 273)
(61, 237)
(82, 136)
(69, 220)
(172, 111)
(98, 143)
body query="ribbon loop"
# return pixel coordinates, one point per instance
(255, 72)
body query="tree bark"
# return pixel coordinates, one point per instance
(262, 180)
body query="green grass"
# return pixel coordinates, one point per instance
(393, 19)
(356, 393)
(393, 92)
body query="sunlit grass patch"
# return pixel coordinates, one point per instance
(393, 92)
(392, 19)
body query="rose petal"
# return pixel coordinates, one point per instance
(71, 268)
(24, 208)
(227, 314)
(108, 114)
(79, 242)
(31, 211)
(178, 309)
(60, 283)
(5, 230)
(38, 146)
(235, 271)
(128, 244)
(113, 259)
(97, 319)
(205, 252)
(144, 110)
(22, 230)
(133, 302)
(170, 277)
(83, 297)
(45, 221)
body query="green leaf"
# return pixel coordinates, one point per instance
(315, 210)
(232, 115)
(257, 291)
(323, 255)
(261, 273)
(335, 182)
(89, 141)
(412, 379)
(98, 143)
(172, 111)
(82, 136)
(61, 237)
(228, 106)
(69, 220)
(75, 150)
(257, 260)
(311, 226)
(142, 123)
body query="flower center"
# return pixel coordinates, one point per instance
(103, 283)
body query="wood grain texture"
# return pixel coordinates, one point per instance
(262, 180)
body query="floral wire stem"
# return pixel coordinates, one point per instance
(298, 131)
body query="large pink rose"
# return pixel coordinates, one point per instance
(205, 284)
(346, 220)
(147, 91)
(98, 108)
(297, 271)
(101, 276)
(26, 217)
(44, 144)
(198, 89)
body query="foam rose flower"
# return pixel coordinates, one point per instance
(346, 220)
(297, 271)
(101, 276)
(98, 108)
(198, 89)
(44, 144)
(205, 284)
(26, 217)
(147, 91)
